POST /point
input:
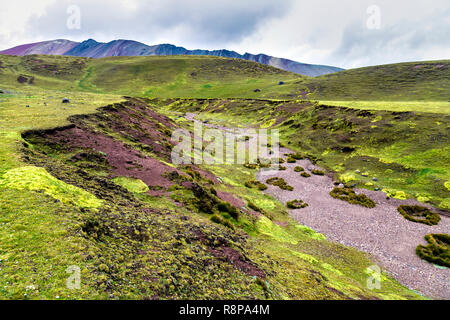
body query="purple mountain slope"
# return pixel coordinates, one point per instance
(93, 49)
(56, 47)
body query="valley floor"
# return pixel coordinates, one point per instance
(381, 231)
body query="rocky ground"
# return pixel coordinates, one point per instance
(381, 231)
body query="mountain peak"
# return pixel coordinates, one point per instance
(123, 47)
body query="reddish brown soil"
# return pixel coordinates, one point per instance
(124, 161)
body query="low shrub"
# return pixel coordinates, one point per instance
(305, 175)
(291, 160)
(254, 207)
(299, 169)
(296, 204)
(350, 196)
(279, 182)
(437, 251)
(297, 156)
(419, 214)
(228, 208)
(318, 172)
(256, 184)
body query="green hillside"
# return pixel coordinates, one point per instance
(412, 81)
(171, 76)
(90, 183)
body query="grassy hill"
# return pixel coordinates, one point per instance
(168, 76)
(412, 81)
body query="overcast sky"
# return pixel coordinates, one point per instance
(344, 33)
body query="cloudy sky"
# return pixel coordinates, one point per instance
(345, 33)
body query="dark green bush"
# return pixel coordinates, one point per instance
(279, 182)
(305, 175)
(350, 196)
(437, 251)
(318, 172)
(254, 207)
(256, 184)
(419, 214)
(296, 204)
(297, 156)
(299, 169)
(228, 208)
(291, 160)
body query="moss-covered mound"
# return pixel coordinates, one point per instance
(419, 214)
(318, 172)
(296, 204)
(279, 182)
(305, 175)
(299, 169)
(291, 159)
(437, 251)
(256, 184)
(350, 196)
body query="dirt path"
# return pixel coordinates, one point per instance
(381, 231)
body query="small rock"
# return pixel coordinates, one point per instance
(377, 189)
(357, 171)
(65, 100)
(27, 106)
(375, 179)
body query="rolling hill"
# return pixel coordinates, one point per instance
(411, 81)
(93, 49)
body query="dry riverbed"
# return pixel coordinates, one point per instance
(382, 232)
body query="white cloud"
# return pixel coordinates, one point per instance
(322, 31)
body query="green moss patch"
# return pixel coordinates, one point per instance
(132, 185)
(419, 214)
(296, 204)
(280, 182)
(310, 232)
(350, 196)
(38, 179)
(299, 169)
(291, 160)
(437, 251)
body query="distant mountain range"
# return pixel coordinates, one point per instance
(93, 49)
